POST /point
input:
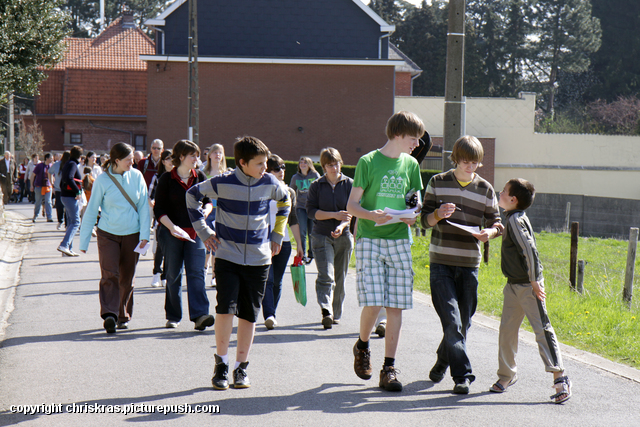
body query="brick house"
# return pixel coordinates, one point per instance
(97, 95)
(300, 75)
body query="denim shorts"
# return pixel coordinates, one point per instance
(384, 273)
(240, 288)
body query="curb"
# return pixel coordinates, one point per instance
(15, 234)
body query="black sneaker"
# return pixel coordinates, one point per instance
(381, 329)
(462, 386)
(362, 362)
(220, 372)
(203, 322)
(240, 377)
(110, 324)
(389, 380)
(327, 322)
(437, 372)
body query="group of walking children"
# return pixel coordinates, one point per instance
(251, 245)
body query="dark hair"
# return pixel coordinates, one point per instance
(404, 123)
(523, 191)
(184, 147)
(34, 155)
(274, 162)
(65, 158)
(119, 151)
(47, 156)
(163, 157)
(75, 152)
(248, 147)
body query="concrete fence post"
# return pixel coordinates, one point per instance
(580, 284)
(573, 259)
(567, 215)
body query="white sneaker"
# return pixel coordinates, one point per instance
(171, 324)
(66, 251)
(59, 226)
(164, 282)
(270, 323)
(155, 282)
(213, 282)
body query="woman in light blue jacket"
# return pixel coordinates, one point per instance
(124, 223)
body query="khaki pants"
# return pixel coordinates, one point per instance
(118, 267)
(519, 301)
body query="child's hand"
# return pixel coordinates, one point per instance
(275, 249)
(446, 210)
(379, 216)
(409, 221)
(212, 243)
(342, 216)
(484, 235)
(538, 290)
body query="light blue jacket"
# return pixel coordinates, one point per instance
(117, 216)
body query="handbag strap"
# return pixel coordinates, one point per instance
(124, 193)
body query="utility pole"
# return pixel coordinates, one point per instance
(454, 102)
(12, 128)
(194, 88)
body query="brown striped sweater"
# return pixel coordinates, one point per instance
(477, 201)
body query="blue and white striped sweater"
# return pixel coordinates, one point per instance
(242, 216)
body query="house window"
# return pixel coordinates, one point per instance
(140, 142)
(76, 139)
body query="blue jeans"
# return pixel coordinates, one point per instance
(46, 199)
(306, 228)
(454, 292)
(332, 260)
(179, 253)
(72, 212)
(273, 290)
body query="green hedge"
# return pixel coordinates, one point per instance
(349, 170)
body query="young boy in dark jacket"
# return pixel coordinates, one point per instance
(524, 293)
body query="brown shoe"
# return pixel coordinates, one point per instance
(389, 380)
(362, 362)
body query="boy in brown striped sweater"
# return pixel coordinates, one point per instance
(458, 196)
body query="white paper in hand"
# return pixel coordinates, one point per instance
(183, 235)
(397, 216)
(469, 229)
(140, 250)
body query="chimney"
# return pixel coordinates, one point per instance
(127, 19)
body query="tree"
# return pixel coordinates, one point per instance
(86, 14)
(30, 139)
(422, 36)
(616, 65)
(564, 35)
(31, 38)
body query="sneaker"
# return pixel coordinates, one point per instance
(389, 380)
(381, 329)
(462, 386)
(213, 282)
(171, 324)
(49, 219)
(336, 321)
(327, 322)
(362, 362)
(203, 322)
(155, 282)
(437, 372)
(65, 251)
(110, 325)
(122, 325)
(240, 377)
(308, 260)
(73, 253)
(33, 220)
(59, 226)
(270, 323)
(163, 282)
(220, 380)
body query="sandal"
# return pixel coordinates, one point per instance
(563, 388)
(499, 388)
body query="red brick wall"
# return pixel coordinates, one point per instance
(101, 140)
(403, 84)
(345, 107)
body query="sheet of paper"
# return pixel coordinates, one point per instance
(469, 229)
(142, 252)
(397, 216)
(184, 235)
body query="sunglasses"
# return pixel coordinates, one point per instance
(279, 168)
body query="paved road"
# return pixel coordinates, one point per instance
(54, 351)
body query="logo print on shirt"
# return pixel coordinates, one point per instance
(392, 186)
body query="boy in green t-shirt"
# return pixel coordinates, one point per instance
(383, 252)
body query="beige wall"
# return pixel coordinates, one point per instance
(590, 165)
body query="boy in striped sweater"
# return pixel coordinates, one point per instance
(244, 245)
(458, 196)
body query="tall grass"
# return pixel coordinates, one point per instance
(596, 321)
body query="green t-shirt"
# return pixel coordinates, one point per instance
(385, 182)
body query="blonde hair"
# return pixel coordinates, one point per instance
(309, 162)
(222, 166)
(467, 148)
